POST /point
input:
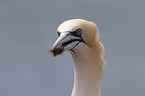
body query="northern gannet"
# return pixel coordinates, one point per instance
(80, 38)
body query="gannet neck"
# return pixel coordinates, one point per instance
(88, 71)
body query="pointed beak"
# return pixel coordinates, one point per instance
(67, 41)
(64, 37)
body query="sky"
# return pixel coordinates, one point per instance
(28, 29)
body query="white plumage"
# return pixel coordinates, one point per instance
(80, 37)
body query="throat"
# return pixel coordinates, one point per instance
(88, 73)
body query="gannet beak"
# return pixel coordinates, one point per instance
(68, 40)
(64, 37)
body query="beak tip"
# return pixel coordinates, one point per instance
(53, 47)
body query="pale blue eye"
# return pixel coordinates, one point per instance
(77, 33)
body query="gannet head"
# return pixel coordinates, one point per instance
(74, 32)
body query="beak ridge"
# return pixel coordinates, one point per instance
(64, 37)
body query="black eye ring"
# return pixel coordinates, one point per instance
(77, 33)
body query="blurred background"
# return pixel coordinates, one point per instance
(28, 30)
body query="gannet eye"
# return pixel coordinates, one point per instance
(77, 33)
(58, 33)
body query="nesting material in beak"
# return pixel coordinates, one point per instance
(57, 51)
